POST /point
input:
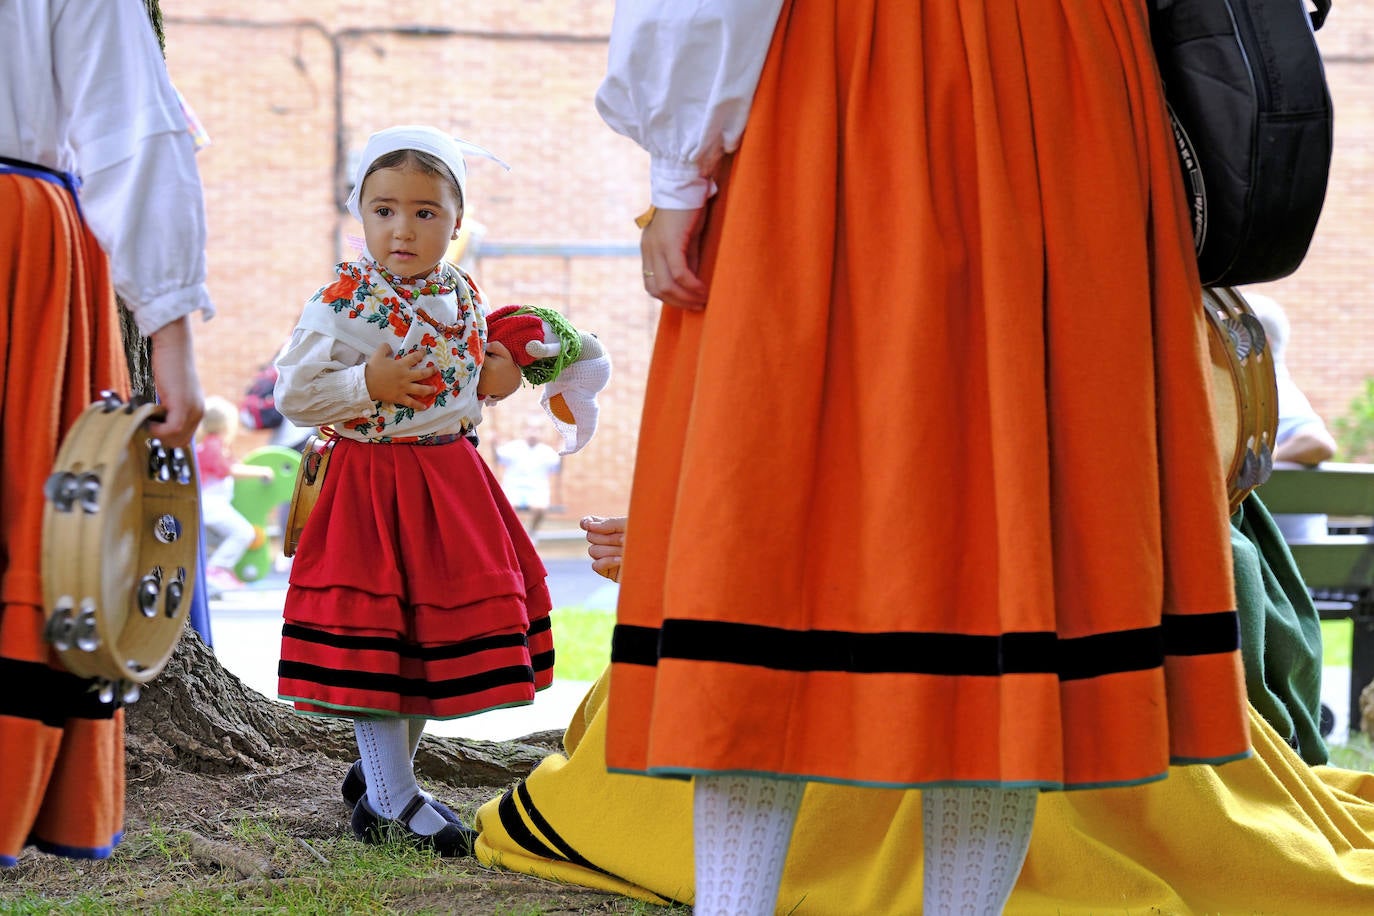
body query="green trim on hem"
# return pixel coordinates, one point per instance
(687, 774)
(1209, 761)
(684, 773)
(357, 712)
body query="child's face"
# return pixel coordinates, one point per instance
(409, 217)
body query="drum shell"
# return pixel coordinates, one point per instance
(1244, 392)
(135, 525)
(309, 483)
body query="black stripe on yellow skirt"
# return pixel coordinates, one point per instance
(407, 686)
(541, 823)
(929, 653)
(515, 828)
(38, 692)
(514, 825)
(397, 646)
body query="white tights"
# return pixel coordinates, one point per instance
(387, 747)
(741, 827)
(975, 842)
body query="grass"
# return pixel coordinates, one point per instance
(153, 870)
(582, 642)
(1336, 636)
(1357, 753)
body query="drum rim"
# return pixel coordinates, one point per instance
(1254, 393)
(107, 435)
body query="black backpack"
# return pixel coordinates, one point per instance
(1252, 116)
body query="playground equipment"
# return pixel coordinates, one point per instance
(259, 500)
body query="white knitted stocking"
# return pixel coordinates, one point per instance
(975, 842)
(384, 745)
(415, 728)
(742, 826)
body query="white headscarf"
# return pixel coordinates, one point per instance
(448, 150)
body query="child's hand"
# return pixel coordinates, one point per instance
(253, 470)
(606, 544)
(394, 380)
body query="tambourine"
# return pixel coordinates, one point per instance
(309, 483)
(121, 534)
(1244, 392)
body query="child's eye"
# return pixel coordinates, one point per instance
(426, 214)
(383, 211)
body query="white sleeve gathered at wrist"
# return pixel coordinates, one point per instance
(321, 381)
(164, 309)
(680, 79)
(149, 214)
(677, 185)
(127, 138)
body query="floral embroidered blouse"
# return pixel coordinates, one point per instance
(321, 380)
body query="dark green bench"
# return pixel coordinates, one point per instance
(1337, 567)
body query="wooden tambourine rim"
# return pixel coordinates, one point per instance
(309, 482)
(1244, 389)
(98, 559)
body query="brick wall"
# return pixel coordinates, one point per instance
(1331, 351)
(284, 87)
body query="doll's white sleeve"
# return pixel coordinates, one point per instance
(321, 380)
(680, 79)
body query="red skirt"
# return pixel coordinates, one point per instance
(61, 751)
(415, 590)
(928, 493)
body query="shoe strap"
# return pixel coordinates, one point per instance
(411, 810)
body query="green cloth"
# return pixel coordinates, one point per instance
(1281, 638)
(547, 368)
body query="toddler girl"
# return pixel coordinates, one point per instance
(415, 592)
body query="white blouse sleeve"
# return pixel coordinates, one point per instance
(141, 191)
(321, 380)
(680, 79)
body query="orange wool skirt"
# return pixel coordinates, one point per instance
(928, 494)
(61, 750)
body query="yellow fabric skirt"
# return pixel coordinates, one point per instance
(61, 751)
(1264, 835)
(928, 493)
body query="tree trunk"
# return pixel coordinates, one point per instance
(199, 717)
(137, 350)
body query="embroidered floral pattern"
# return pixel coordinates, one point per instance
(405, 311)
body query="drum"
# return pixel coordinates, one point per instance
(309, 483)
(121, 535)
(1244, 392)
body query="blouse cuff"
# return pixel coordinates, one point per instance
(678, 185)
(168, 307)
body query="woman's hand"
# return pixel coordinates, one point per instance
(397, 380)
(178, 385)
(606, 544)
(670, 246)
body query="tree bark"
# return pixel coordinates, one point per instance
(137, 350)
(198, 717)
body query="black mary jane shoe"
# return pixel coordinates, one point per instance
(354, 787)
(453, 841)
(354, 784)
